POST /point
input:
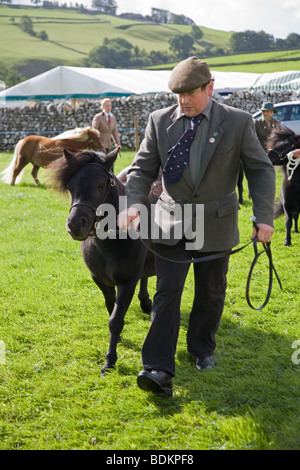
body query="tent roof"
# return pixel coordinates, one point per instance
(81, 82)
(289, 80)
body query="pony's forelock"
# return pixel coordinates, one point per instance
(65, 167)
(278, 135)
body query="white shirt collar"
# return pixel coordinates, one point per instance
(107, 114)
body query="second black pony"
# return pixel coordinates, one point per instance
(280, 143)
(116, 264)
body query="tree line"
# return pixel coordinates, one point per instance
(252, 41)
(26, 25)
(119, 53)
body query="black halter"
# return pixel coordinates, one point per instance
(286, 147)
(111, 183)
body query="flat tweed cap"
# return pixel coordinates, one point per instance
(188, 75)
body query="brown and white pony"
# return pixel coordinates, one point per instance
(41, 151)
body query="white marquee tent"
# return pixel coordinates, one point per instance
(289, 80)
(79, 82)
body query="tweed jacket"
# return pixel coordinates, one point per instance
(263, 130)
(107, 131)
(231, 139)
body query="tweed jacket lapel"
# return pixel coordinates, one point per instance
(176, 129)
(174, 132)
(215, 131)
(214, 135)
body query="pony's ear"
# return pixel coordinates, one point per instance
(110, 158)
(68, 155)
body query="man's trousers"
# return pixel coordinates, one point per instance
(210, 282)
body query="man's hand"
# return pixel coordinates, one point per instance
(264, 234)
(127, 216)
(296, 153)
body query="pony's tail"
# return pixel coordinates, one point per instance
(278, 211)
(7, 174)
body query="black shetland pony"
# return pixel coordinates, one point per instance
(280, 143)
(116, 264)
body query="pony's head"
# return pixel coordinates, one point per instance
(87, 178)
(281, 142)
(63, 169)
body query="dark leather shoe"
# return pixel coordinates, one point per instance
(205, 363)
(156, 381)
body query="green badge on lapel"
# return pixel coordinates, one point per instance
(212, 139)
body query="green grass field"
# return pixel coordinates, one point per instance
(267, 62)
(54, 327)
(72, 35)
(260, 68)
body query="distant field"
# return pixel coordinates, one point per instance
(257, 56)
(72, 30)
(266, 62)
(72, 35)
(260, 68)
(16, 47)
(75, 34)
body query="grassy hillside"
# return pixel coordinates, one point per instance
(258, 62)
(72, 35)
(82, 31)
(264, 67)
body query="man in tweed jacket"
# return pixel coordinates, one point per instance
(225, 137)
(105, 122)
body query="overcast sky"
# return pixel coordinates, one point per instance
(277, 17)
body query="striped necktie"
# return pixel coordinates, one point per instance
(179, 154)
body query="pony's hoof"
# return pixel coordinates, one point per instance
(106, 370)
(146, 306)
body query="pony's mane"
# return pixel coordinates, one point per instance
(65, 167)
(80, 133)
(279, 134)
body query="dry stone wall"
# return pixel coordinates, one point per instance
(51, 119)
(252, 101)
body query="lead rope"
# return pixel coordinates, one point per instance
(267, 250)
(292, 164)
